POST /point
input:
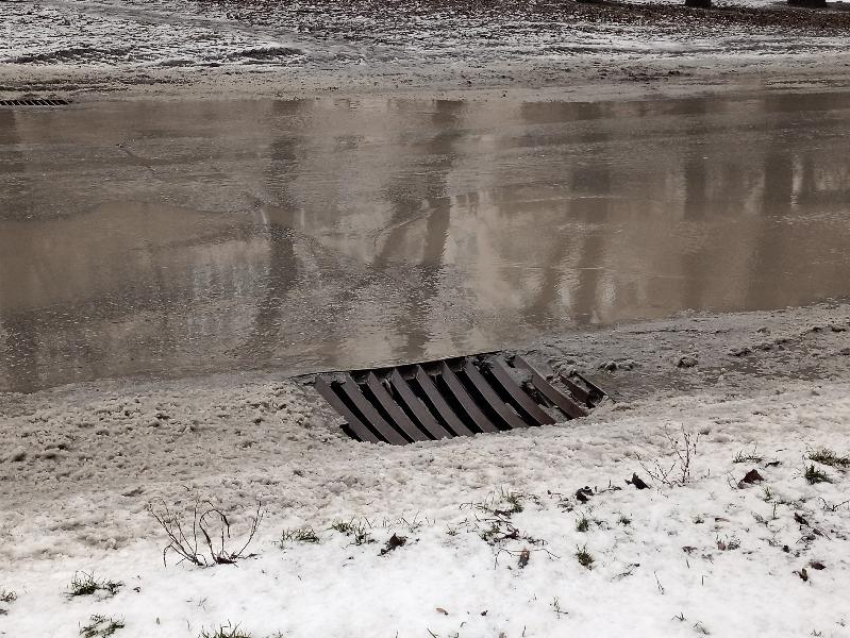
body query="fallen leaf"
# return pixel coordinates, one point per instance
(750, 478)
(583, 494)
(637, 482)
(395, 542)
(442, 611)
(524, 557)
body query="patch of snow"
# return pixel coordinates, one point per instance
(710, 555)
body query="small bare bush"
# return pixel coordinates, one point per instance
(684, 449)
(203, 536)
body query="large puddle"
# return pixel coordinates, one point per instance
(175, 238)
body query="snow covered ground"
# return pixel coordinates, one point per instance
(495, 530)
(707, 557)
(111, 45)
(500, 539)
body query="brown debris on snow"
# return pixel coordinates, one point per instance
(637, 482)
(584, 494)
(394, 543)
(750, 478)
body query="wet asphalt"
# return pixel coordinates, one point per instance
(174, 238)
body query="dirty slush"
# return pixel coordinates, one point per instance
(208, 209)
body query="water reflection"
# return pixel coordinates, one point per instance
(168, 239)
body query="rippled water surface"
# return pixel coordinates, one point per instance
(175, 238)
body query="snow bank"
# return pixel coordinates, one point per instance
(709, 556)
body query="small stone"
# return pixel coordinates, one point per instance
(609, 366)
(687, 361)
(741, 352)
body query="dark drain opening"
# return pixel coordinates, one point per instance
(429, 416)
(454, 397)
(504, 395)
(35, 102)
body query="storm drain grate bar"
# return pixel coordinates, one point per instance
(486, 393)
(35, 102)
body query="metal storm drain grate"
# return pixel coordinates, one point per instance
(39, 102)
(453, 397)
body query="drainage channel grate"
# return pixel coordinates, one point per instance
(39, 102)
(463, 396)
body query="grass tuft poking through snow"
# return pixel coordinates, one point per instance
(813, 475)
(8, 596)
(583, 524)
(232, 631)
(85, 584)
(101, 626)
(585, 559)
(357, 531)
(826, 456)
(226, 631)
(298, 535)
(748, 457)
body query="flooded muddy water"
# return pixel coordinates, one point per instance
(176, 238)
